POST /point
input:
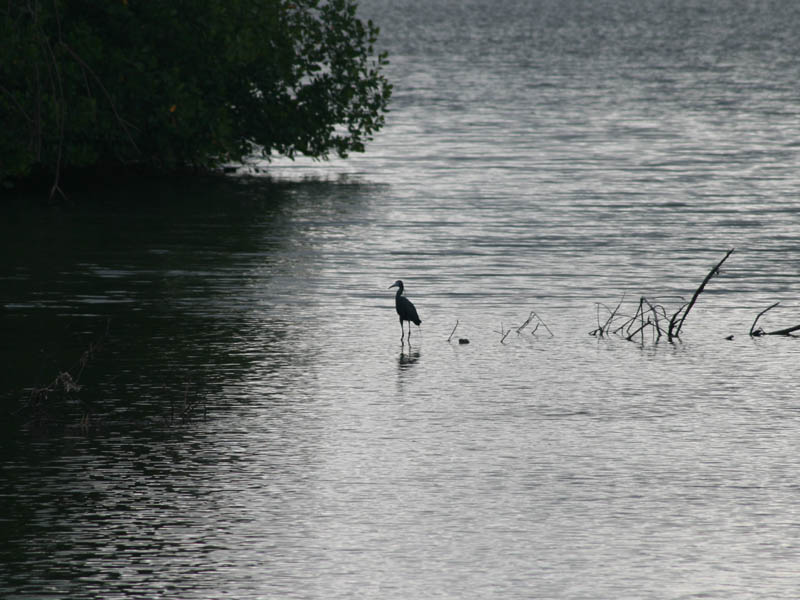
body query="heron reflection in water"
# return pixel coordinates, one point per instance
(408, 359)
(405, 310)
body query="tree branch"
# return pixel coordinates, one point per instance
(760, 331)
(699, 291)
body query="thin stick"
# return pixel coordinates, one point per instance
(452, 332)
(613, 314)
(625, 324)
(672, 321)
(503, 332)
(699, 291)
(525, 324)
(758, 316)
(641, 309)
(635, 316)
(630, 337)
(786, 331)
(543, 323)
(655, 315)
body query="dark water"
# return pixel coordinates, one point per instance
(251, 427)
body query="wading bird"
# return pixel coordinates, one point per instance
(405, 310)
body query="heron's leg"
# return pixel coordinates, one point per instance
(402, 331)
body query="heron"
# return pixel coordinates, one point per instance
(405, 310)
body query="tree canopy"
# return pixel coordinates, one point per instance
(175, 84)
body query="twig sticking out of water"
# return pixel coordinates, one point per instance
(54, 402)
(651, 315)
(539, 321)
(654, 311)
(452, 332)
(603, 329)
(648, 315)
(502, 332)
(525, 324)
(786, 331)
(698, 291)
(759, 332)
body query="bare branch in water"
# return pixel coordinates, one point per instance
(786, 331)
(543, 323)
(525, 324)
(452, 332)
(757, 332)
(503, 333)
(699, 290)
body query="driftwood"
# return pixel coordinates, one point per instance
(786, 331)
(760, 331)
(648, 317)
(651, 316)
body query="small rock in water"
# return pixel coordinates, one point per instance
(463, 341)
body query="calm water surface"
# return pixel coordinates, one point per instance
(540, 156)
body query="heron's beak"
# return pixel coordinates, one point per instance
(391, 286)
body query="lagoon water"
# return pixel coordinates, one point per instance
(545, 156)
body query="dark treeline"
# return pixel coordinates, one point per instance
(170, 85)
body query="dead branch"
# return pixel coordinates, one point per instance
(543, 323)
(640, 329)
(757, 332)
(614, 312)
(786, 331)
(699, 291)
(525, 324)
(452, 332)
(502, 332)
(655, 316)
(673, 321)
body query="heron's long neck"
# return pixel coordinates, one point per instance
(399, 292)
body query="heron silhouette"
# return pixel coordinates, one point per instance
(405, 310)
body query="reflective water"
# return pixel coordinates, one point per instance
(540, 156)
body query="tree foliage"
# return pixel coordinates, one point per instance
(170, 84)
